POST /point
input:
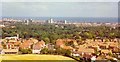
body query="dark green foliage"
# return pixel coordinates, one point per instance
(58, 51)
(25, 51)
(44, 51)
(49, 32)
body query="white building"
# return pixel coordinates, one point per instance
(50, 21)
(14, 37)
(65, 22)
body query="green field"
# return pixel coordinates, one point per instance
(35, 58)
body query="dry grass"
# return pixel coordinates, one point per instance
(37, 57)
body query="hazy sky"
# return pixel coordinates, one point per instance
(60, 0)
(60, 9)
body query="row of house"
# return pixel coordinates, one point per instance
(11, 47)
(90, 47)
(86, 50)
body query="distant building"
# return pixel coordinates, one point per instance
(65, 21)
(50, 21)
(28, 21)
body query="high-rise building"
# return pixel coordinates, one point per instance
(65, 21)
(50, 21)
(28, 21)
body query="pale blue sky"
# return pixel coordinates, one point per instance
(60, 0)
(63, 9)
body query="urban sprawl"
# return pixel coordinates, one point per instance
(78, 40)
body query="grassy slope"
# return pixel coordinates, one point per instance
(37, 57)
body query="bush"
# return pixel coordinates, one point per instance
(25, 51)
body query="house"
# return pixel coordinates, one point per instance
(68, 47)
(76, 53)
(113, 45)
(109, 57)
(115, 50)
(50, 46)
(93, 58)
(95, 47)
(33, 40)
(13, 38)
(9, 45)
(59, 42)
(88, 51)
(25, 45)
(103, 46)
(115, 39)
(98, 39)
(84, 52)
(12, 41)
(17, 44)
(10, 51)
(38, 46)
(105, 51)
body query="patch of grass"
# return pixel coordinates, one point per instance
(36, 58)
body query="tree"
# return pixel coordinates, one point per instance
(61, 51)
(25, 51)
(70, 43)
(44, 51)
(47, 40)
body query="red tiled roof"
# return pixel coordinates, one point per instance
(33, 40)
(25, 44)
(68, 47)
(59, 42)
(86, 50)
(39, 45)
(17, 43)
(105, 51)
(9, 43)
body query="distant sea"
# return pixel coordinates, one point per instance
(72, 19)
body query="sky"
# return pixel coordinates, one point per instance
(60, 0)
(83, 8)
